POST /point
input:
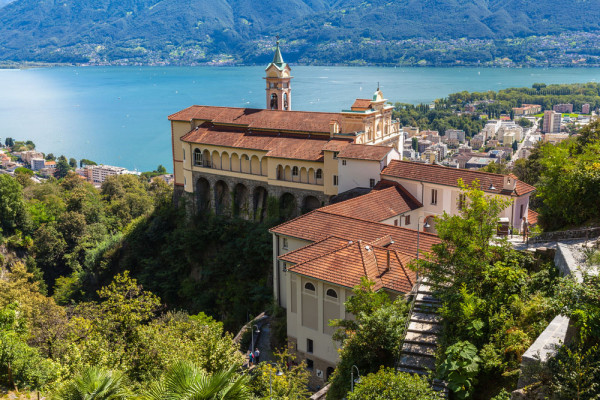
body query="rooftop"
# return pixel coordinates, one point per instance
(365, 152)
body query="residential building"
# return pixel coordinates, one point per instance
(411, 130)
(491, 129)
(455, 134)
(359, 165)
(97, 174)
(29, 155)
(37, 164)
(479, 162)
(585, 108)
(563, 108)
(423, 145)
(477, 141)
(551, 122)
(555, 138)
(527, 109)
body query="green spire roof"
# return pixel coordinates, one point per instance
(277, 58)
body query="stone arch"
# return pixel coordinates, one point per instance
(245, 163)
(432, 222)
(303, 175)
(202, 194)
(288, 173)
(311, 176)
(255, 165)
(197, 157)
(310, 203)
(288, 206)
(259, 203)
(319, 176)
(206, 159)
(240, 201)
(225, 161)
(280, 173)
(235, 162)
(222, 198)
(216, 160)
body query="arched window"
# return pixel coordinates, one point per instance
(285, 101)
(309, 286)
(319, 174)
(273, 101)
(197, 157)
(295, 171)
(332, 293)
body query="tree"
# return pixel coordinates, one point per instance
(186, 381)
(280, 381)
(9, 142)
(12, 207)
(85, 161)
(389, 384)
(50, 157)
(515, 145)
(372, 339)
(23, 176)
(62, 167)
(161, 169)
(72, 163)
(95, 384)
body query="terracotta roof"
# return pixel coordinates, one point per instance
(361, 103)
(282, 146)
(299, 121)
(314, 250)
(532, 217)
(377, 205)
(364, 152)
(346, 266)
(449, 176)
(336, 145)
(317, 225)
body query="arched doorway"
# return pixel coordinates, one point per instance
(202, 195)
(287, 206)
(240, 201)
(222, 198)
(310, 203)
(259, 203)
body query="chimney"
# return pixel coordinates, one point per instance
(510, 182)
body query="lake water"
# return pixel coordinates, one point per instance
(118, 115)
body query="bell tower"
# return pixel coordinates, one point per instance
(279, 90)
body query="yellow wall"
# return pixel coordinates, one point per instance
(178, 129)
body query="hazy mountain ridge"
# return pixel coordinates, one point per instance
(243, 30)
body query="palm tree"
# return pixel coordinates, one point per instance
(95, 384)
(185, 381)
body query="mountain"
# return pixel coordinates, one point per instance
(242, 30)
(5, 2)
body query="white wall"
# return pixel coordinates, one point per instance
(357, 173)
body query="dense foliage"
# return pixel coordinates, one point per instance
(440, 118)
(369, 341)
(389, 384)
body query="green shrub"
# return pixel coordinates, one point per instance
(387, 384)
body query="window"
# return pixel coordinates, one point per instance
(197, 157)
(319, 174)
(521, 212)
(372, 183)
(434, 196)
(309, 364)
(395, 222)
(309, 286)
(332, 293)
(285, 243)
(309, 345)
(343, 162)
(335, 153)
(184, 181)
(335, 180)
(407, 220)
(183, 154)
(295, 171)
(461, 201)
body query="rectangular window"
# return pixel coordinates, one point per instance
(285, 243)
(309, 346)
(343, 162)
(372, 183)
(309, 364)
(335, 180)
(183, 154)
(395, 222)
(335, 153)
(521, 212)
(434, 196)
(407, 220)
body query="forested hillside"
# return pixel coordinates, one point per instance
(314, 30)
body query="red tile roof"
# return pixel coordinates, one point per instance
(377, 205)
(317, 225)
(299, 121)
(364, 152)
(361, 104)
(282, 146)
(314, 250)
(532, 217)
(450, 176)
(346, 265)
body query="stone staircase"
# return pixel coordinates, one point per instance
(419, 347)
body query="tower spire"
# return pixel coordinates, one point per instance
(279, 91)
(277, 58)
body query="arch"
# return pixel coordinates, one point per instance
(287, 176)
(369, 134)
(259, 203)
(235, 162)
(311, 176)
(295, 174)
(202, 194)
(303, 175)
(310, 286)
(432, 222)
(225, 161)
(332, 293)
(310, 203)
(377, 129)
(240, 200)
(285, 101)
(222, 198)
(280, 173)
(245, 163)
(319, 176)
(206, 160)
(198, 157)
(255, 165)
(274, 103)
(287, 206)
(216, 160)
(264, 166)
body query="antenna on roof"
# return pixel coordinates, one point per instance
(378, 86)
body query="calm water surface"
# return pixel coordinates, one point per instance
(118, 115)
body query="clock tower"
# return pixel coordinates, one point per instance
(279, 91)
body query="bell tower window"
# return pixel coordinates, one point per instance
(273, 101)
(285, 101)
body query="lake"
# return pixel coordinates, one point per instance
(118, 115)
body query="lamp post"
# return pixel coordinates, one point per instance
(279, 373)
(257, 331)
(352, 377)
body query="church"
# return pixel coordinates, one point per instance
(233, 160)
